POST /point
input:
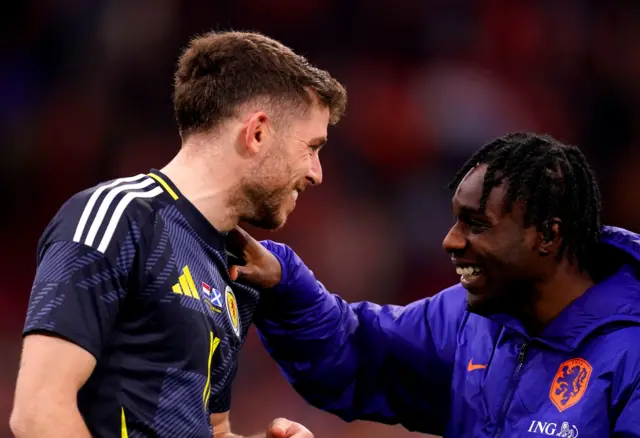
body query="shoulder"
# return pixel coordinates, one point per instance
(446, 314)
(627, 347)
(450, 303)
(440, 311)
(620, 349)
(103, 214)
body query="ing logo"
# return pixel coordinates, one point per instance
(565, 430)
(570, 383)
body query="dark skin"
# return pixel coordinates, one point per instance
(520, 274)
(520, 271)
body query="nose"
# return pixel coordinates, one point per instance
(454, 241)
(315, 171)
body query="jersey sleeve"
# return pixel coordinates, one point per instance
(85, 272)
(627, 424)
(362, 361)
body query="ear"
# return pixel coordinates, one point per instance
(258, 129)
(550, 236)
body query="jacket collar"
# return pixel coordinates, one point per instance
(615, 299)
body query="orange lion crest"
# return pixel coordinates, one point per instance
(570, 383)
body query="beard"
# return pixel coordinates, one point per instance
(264, 205)
(267, 211)
(264, 192)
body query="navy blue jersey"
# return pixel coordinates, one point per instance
(134, 274)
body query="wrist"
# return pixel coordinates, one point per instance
(297, 287)
(295, 276)
(284, 272)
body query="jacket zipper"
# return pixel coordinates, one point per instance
(514, 381)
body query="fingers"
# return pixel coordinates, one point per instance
(278, 428)
(237, 234)
(234, 273)
(241, 273)
(276, 431)
(240, 239)
(237, 240)
(258, 267)
(283, 428)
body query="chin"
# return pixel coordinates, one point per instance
(475, 303)
(266, 223)
(271, 222)
(504, 300)
(483, 302)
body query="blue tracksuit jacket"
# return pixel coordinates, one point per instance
(436, 368)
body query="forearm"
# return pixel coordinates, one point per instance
(333, 356)
(299, 318)
(320, 341)
(353, 360)
(314, 330)
(50, 421)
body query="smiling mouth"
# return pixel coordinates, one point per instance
(471, 276)
(468, 270)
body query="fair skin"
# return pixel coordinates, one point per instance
(212, 178)
(507, 252)
(53, 370)
(279, 428)
(251, 168)
(51, 373)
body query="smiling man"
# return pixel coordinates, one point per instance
(134, 326)
(528, 224)
(539, 338)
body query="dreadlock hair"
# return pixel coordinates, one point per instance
(552, 180)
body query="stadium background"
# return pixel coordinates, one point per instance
(85, 96)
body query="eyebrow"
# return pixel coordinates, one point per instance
(318, 142)
(470, 210)
(473, 211)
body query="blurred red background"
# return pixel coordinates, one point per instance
(85, 96)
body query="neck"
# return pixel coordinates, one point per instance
(555, 294)
(209, 179)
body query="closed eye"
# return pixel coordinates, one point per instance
(476, 223)
(313, 149)
(476, 226)
(318, 144)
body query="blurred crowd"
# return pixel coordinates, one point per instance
(85, 95)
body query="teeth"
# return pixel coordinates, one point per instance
(467, 270)
(295, 195)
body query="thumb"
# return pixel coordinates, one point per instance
(234, 272)
(239, 273)
(243, 273)
(278, 428)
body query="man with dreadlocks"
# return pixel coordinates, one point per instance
(541, 336)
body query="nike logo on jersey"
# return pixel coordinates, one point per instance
(473, 367)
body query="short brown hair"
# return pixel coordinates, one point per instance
(221, 70)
